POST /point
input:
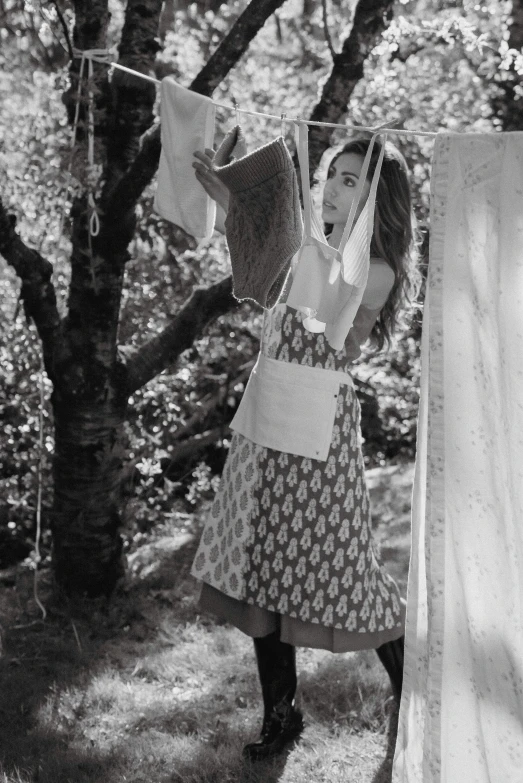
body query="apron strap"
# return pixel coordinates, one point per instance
(356, 250)
(359, 189)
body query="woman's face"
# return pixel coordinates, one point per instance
(340, 187)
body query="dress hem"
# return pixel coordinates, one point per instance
(257, 622)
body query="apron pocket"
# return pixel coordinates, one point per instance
(297, 418)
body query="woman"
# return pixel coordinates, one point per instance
(306, 572)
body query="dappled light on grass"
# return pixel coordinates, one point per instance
(185, 710)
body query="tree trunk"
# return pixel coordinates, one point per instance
(87, 466)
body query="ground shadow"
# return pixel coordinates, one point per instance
(75, 644)
(42, 658)
(38, 660)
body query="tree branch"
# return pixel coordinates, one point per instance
(234, 45)
(132, 98)
(204, 306)
(372, 17)
(205, 413)
(129, 189)
(38, 293)
(188, 448)
(64, 28)
(326, 30)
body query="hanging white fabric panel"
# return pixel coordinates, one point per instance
(461, 714)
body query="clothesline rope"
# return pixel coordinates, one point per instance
(103, 56)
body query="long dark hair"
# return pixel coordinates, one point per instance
(395, 238)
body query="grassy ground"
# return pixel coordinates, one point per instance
(145, 689)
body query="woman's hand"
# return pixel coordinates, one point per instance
(208, 180)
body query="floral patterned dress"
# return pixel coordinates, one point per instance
(289, 539)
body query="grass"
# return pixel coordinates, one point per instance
(145, 689)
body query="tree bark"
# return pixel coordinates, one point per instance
(87, 466)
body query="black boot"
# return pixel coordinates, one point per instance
(391, 656)
(282, 723)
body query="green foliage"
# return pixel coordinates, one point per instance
(32, 185)
(30, 35)
(21, 384)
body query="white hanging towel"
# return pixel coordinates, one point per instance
(187, 125)
(461, 714)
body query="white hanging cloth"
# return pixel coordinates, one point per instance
(461, 714)
(188, 121)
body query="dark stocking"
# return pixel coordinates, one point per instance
(391, 655)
